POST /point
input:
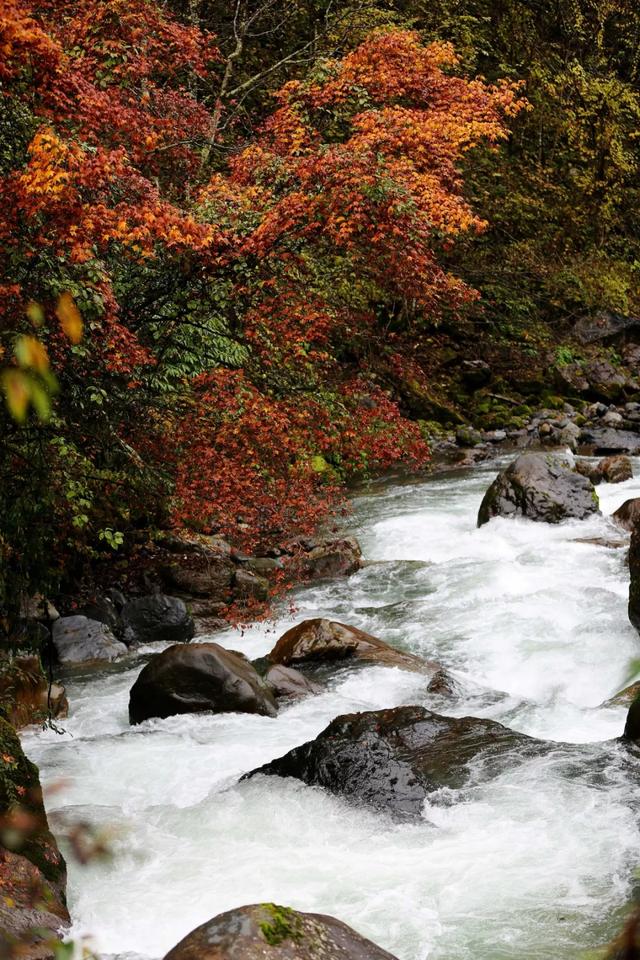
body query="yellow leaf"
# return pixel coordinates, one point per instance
(35, 313)
(69, 317)
(17, 393)
(31, 353)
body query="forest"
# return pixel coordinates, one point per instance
(256, 255)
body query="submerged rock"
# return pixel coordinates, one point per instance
(265, 930)
(157, 617)
(78, 639)
(320, 639)
(540, 487)
(288, 684)
(196, 678)
(392, 759)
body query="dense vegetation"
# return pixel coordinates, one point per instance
(232, 232)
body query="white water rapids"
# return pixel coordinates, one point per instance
(533, 864)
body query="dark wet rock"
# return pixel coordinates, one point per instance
(628, 515)
(442, 684)
(634, 578)
(266, 931)
(196, 678)
(616, 469)
(590, 470)
(392, 759)
(540, 487)
(632, 726)
(157, 617)
(77, 639)
(605, 327)
(288, 684)
(607, 440)
(475, 373)
(321, 640)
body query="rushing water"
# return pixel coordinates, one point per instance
(533, 864)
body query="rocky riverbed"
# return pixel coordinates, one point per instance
(522, 625)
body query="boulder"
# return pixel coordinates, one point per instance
(606, 382)
(265, 931)
(392, 759)
(616, 469)
(320, 640)
(78, 638)
(288, 684)
(628, 515)
(604, 327)
(329, 558)
(540, 487)
(249, 586)
(208, 576)
(607, 440)
(570, 378)
(196, 678)
(157, 617)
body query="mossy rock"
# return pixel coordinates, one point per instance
(266, 931)
(25, 829)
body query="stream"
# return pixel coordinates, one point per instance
(533, 864)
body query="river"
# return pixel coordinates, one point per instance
(533, 864)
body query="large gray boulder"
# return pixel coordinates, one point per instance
(197, 678)
(321, 640)
(608, 440)
(604, 326)
(78, 638)
(392, 759)
(265, 931)
(540, 487)
(157, 617)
